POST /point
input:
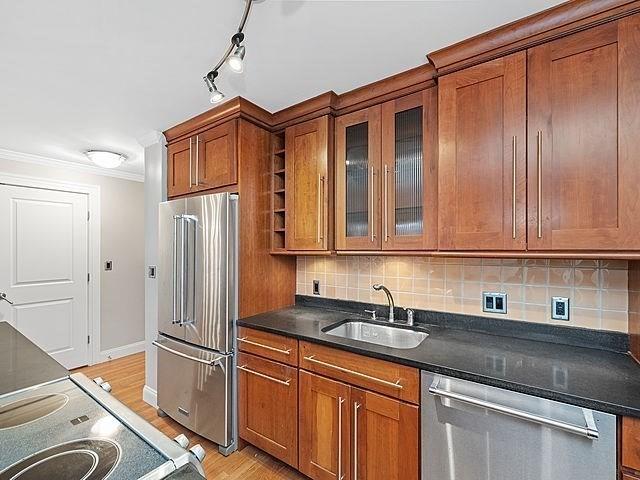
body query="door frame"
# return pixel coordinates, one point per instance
(93, 246)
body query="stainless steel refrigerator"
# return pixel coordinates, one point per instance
(197, 312)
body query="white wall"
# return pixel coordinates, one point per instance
(154, 193)
(121, 241)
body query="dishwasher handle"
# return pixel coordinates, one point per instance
(590, 430)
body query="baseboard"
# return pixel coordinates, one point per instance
(122, 351)
(150, 396)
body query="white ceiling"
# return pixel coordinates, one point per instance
(81, 74)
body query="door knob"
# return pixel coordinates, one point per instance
(3, 296)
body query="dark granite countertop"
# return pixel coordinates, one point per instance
(599, 379)
(23, 364)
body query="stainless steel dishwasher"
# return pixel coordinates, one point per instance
(477, 432)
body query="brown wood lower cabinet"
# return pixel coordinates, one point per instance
(350, 433)
(385, 437)
(324, 428)
(268, 406)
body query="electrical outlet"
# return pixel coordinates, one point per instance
(316, 287)
(560, 308)
(493, 302)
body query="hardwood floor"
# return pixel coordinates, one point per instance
(126, 376)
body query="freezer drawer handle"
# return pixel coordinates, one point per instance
(211, 363)
(395, 384)
(256, 344)
(589, 431)
(262, 375)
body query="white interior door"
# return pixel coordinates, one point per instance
(44, 269)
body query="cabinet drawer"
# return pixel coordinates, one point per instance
(380, 376)
(268, 406)
(268, 345)
(631, 443)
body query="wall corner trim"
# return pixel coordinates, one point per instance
(150, 138)
(150, 396)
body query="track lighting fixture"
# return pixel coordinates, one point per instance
(216, 96)
(234, 57)
(235, 60)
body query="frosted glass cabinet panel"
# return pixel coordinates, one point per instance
(358, 180)
(409, 158)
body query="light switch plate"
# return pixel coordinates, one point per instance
(560, 308)
(494, 302)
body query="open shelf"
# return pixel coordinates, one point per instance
(278, 185)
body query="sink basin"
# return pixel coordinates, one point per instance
(387, 335)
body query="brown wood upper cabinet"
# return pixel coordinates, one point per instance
(482, 163)
(179, 167)
(203, 161)
(308, 185)
(584, 174)
(386, 174)
(216, 159)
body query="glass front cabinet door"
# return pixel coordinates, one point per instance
(358, 162)
(386, 171)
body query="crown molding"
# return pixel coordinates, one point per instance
(151, 138)
(73, 166)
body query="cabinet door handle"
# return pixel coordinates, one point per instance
(514, 152)
(256, 344)
(356, 407)
(386, 203)
(244, 368)
(373, 207)
(340, 402)
(197, 160)
(319, 223)
(397, 385)
(190, 159)
(539, 183)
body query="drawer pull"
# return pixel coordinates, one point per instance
(256, 344)
(353, 372)
(262, 375)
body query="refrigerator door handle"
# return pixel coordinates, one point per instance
(187, 272)
(177, 219)
(212, 363)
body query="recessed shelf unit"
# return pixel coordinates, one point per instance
(278, 206)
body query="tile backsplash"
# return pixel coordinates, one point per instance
(598, 289)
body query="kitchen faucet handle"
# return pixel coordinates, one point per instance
(372, 313)
(410, 313)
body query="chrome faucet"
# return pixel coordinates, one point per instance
(379, 287)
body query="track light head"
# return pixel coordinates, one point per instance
(235, 61)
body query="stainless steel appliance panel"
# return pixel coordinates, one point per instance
(477, 432)
(210, 252)
(170, 286)
(195, 388)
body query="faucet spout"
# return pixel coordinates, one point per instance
(378, 287)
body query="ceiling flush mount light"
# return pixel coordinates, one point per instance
(233, 56)
(105, 159)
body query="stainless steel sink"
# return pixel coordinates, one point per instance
(389, 336)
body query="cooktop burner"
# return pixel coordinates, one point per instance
(29, 409)
(85, 459)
